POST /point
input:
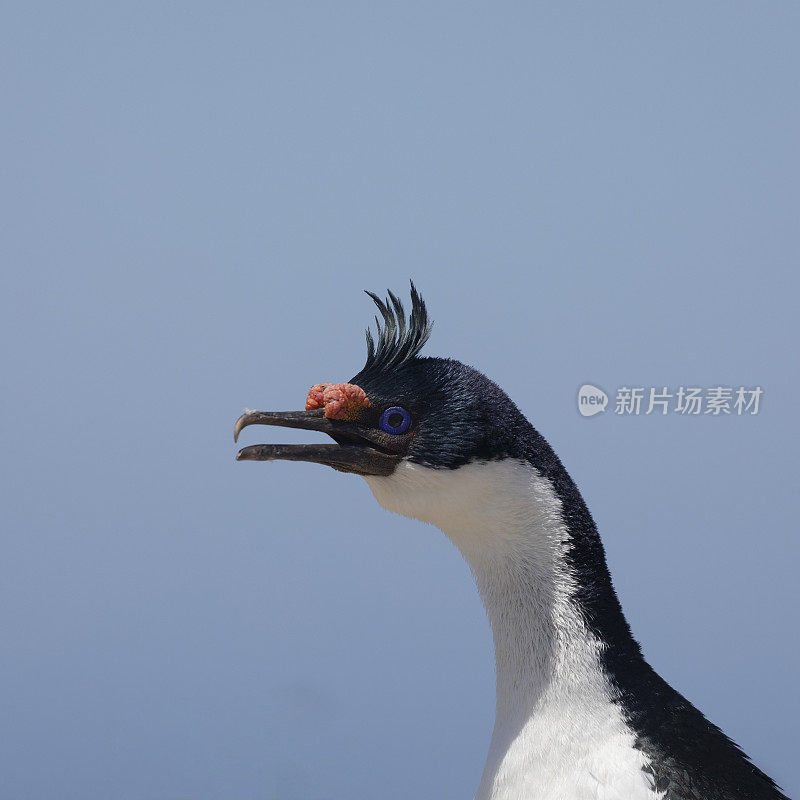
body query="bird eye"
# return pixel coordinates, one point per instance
(395, 420)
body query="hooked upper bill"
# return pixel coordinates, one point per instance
(334, 409)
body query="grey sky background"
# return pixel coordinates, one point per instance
(194, 196)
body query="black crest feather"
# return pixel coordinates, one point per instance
(399, 339)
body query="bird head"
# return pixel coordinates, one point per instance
(402, 416)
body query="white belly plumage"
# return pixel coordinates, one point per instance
(566, 754)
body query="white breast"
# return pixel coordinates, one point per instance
(558, 733)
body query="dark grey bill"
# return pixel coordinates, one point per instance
(359, 449)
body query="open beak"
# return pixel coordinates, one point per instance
(359, 449)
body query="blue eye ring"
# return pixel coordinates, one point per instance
(402, 427)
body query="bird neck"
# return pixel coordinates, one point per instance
(509, 526)
(554, 704)
(532, 569)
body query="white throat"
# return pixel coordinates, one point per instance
(558, 733)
